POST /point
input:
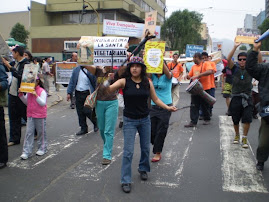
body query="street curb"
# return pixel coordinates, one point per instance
(60, 98)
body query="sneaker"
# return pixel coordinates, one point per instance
(40, 153)
(143, 175)
(236, 139)
(24, 156)
(126, 188)
(260, 166)
(106, 161)
(206, 122)
(190, 125)
(245, 142)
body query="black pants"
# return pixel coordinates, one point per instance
(3, 138)
(263, 148)
(159, 125)
(196, 103)
(82, 111)
(16, 110)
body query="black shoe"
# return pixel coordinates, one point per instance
(201, 118)
(190, 125)
(120, 124)
(126, 188)
(143, 175)
(95, 129)
(2, 165)
(82, 132)
(260, 166)
(72, 106)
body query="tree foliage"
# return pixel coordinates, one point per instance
(182, 28)
(242, 47)
(19, 33)
(263, 28)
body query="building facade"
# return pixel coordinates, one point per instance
(260, 18)
(250, 22)
(58, 25)
(8, 20)
(266, 8)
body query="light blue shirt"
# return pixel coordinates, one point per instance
(83, 82)
(163, 87)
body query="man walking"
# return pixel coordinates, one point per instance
(74, 58)
(241, 103)
(83, 83)
(16, 108)
(46, 73)
(3, 102)
(261, 73)
(202, 71)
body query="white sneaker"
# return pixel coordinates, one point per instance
(24, 156)
(40, 153)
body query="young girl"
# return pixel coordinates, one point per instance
(136, 90)
(36, 119)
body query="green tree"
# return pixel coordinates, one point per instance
(182, 28)
(19, 33)
(242, 47)
(263, 28)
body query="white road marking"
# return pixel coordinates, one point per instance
(93, 171)
(238, 164)
(54, 148)
(171, 153)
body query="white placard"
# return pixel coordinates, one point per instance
(110, 51)
(122, 28)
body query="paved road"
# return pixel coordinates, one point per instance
(198, 164)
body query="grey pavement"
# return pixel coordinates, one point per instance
(199, 164)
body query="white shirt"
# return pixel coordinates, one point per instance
(83, 83)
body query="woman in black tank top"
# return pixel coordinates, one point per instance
(136, 90)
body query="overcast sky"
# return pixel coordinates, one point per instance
(223, 18)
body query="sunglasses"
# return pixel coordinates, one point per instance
(242, 59)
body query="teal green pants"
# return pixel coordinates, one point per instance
(107, 115)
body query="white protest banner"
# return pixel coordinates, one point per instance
(130, 29)
(110, 51)
(64, 71)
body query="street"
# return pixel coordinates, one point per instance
(199, 164)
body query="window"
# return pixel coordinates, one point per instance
(88, 18)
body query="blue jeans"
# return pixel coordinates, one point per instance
(130, 127)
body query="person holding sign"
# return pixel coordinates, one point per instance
(177, 71)
(36, 120)
(160, 117)
(106, 110)
(137, 88)
(16, 107)
(261, 72)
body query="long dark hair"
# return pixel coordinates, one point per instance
(127, 74)
(40, 83)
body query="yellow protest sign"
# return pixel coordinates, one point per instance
(153, 57)
(245, 39)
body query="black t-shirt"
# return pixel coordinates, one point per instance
(242, 81)
(135, 99)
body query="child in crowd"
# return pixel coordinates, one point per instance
(36, 119)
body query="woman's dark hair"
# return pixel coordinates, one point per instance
(30, 55)
(40, 83)
(144, 78)
(18, 49)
